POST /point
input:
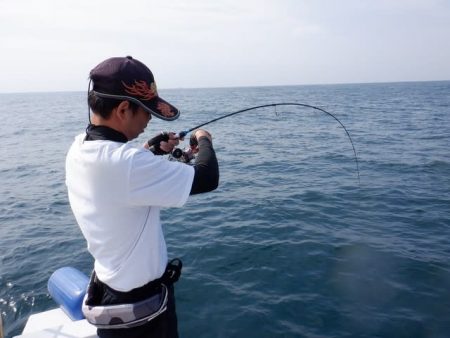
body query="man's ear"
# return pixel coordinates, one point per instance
(121, 110)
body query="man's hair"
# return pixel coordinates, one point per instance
(104, 106)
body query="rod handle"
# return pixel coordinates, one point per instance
(183, 133)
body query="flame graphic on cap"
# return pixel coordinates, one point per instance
(165, 109)
(141, 90)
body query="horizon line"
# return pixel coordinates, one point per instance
(241, 86)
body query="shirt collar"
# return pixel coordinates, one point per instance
(94, 133)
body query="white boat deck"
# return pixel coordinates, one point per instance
(56, 324)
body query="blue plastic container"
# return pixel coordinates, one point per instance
(67, 286)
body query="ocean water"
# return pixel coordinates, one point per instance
(290, 244)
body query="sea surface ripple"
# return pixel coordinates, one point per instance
(290, 244)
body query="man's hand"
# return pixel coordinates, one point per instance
(200, 132)
(163, 143)
(171, 143)
(195, 136)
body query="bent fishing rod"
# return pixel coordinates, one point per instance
(183, 133)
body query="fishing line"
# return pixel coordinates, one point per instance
(183, 133)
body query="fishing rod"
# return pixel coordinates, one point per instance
(183, 133)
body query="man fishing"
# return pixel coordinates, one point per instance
(116, 192)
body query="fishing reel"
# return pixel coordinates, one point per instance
(185, 155)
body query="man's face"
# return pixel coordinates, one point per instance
(136, 122)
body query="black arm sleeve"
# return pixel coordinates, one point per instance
(206, 177)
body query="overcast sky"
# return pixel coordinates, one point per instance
(51, 45)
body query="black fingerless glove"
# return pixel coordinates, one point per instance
(154, 143)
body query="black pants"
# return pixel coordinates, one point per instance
(163, 326)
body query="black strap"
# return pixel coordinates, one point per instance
(173, 272)
(97, 289)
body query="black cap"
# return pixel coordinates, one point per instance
(125, 78)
